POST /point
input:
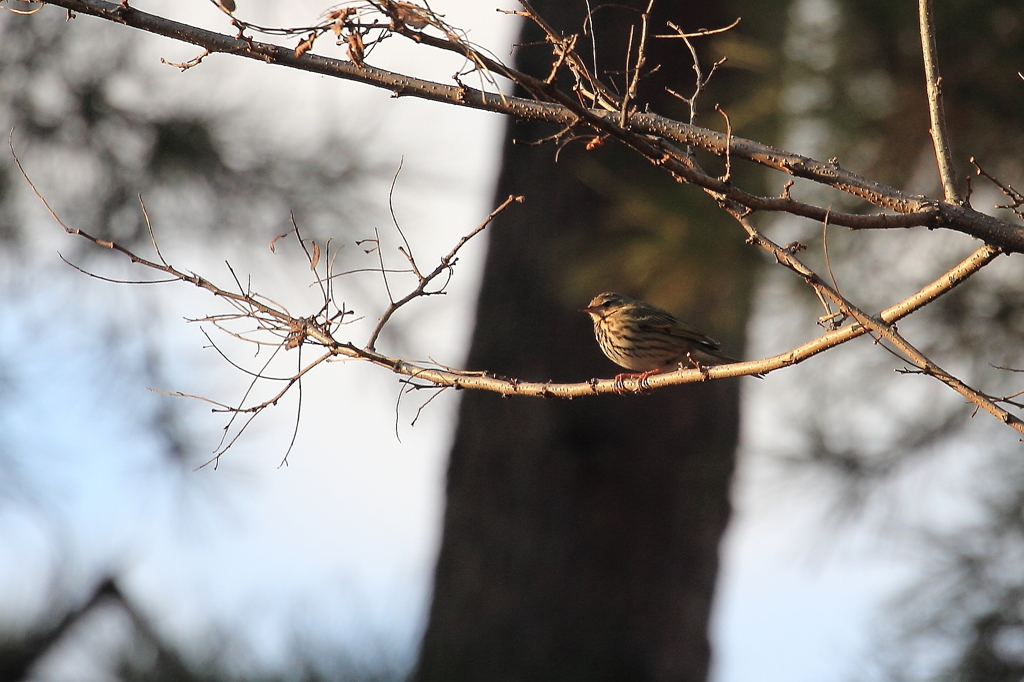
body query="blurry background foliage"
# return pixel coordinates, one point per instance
(95, 133)
(899, 445)
(74, 96)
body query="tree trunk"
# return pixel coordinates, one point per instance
(581, 537)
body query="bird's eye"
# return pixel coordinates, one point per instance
(606, 304)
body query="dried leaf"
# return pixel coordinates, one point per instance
(294, 339)
(412, 15)
(315, 258)
(339, 17)
(274, 241)
(340, 13)
(356, 49)
(306, 45)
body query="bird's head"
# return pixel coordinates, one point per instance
(605, 304)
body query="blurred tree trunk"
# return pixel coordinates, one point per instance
(581, 538)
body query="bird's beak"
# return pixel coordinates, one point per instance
(589, 311)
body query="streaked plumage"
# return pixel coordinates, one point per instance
(644, 338)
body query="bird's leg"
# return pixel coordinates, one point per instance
(641, 382)
(699, 367)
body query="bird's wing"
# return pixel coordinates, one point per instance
(675, 327)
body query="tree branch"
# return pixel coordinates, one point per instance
(881, 328)
(933, 80)
(317, 329)
(915, 210)
(650, 135)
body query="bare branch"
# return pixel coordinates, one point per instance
(701, 80)
(654, 137)
(943, 285)
(881, 328)
(940, 137)
(564, 110)
(1016, 198)
(700, 33)
(446, 264)
(307, 330)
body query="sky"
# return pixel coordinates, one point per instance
(339, 545)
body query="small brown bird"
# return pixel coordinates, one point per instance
(647, 339)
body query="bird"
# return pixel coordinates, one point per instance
(647, 339)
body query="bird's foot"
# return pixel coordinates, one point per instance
(641, 381)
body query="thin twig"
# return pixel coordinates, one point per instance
(701, 80)
(298, 415)
(589, 22)
(394, 218)
(728, 137)
(700, 33)
(641, 59)
(311, 257)
(149, 228)
(828, 261)
(446, 263)
(1015, 197)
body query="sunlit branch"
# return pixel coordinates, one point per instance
(654, 137)
(933, 81)
(879, 327)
